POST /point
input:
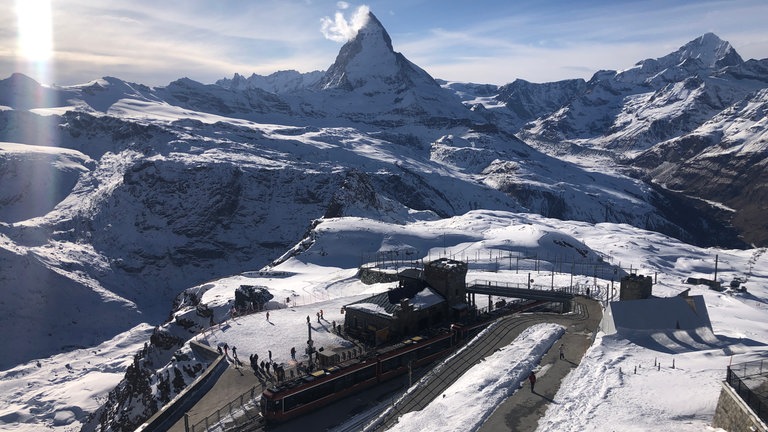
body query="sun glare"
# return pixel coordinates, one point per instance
(35, 39)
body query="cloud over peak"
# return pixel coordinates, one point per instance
(341, 29)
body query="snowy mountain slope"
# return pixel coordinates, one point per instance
(278, 82)
(21, 92)
(36, 178)
(662, 118)
(723, 161)
(656, 100)
(528, 101)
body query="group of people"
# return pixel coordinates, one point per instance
(265, 366)
(223, 349)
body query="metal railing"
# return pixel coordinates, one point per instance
(745, 379)
(233, 413)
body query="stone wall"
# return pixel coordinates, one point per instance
(448, 277)
(370, 276)
(634, 287)
(733, 415)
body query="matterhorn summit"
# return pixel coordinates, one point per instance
(371, 83)
(369, 62)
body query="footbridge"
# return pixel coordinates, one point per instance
(563, 295)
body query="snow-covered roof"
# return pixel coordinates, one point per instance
(373, 308)
(657, 314)
(380, 304)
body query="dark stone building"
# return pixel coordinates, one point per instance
(422, 299)
(636, 287)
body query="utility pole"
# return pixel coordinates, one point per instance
(716, 259)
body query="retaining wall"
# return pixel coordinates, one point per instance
(174, 410)
(733, 415)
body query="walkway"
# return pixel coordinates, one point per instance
(232, 383)
(521, 412)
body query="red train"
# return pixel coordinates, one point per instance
(292, 399)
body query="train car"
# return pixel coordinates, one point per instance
(292, 399)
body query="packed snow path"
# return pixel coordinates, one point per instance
(511, 415)
(523, 409)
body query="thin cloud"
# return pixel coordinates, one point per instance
(339, 29)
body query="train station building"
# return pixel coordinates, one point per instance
(423, 299)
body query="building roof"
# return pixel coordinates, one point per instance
(448, 264)
(385, 304)
(684, 313)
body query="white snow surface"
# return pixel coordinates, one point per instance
(466, 404)
(602, 393)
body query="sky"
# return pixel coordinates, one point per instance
(67, 42)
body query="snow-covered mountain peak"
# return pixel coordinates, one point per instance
(371, 27)
(368, 60)
(709, 50)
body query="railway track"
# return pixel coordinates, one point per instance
(433, 384)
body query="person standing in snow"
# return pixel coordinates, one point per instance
(532, 380)
(562, 354)
(267, 315)
(293, 353)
